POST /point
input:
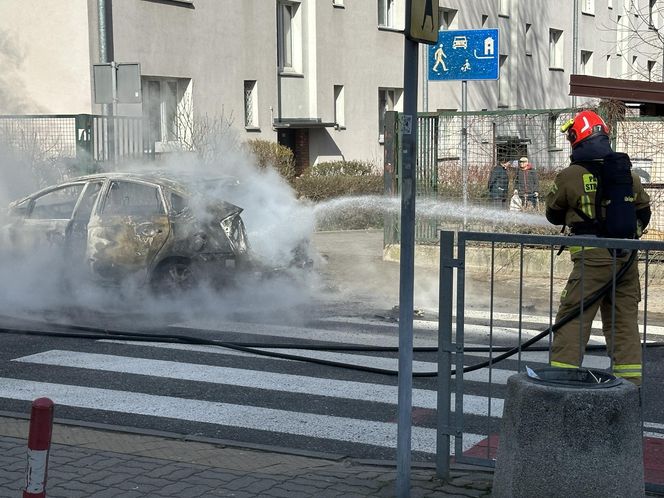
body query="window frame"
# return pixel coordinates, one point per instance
(390, 15)
(339, 107)
(289, 36)
(587, 62)
(588, 7)
(393, 101)
(34, 200)
(556, 49)
(172, 118)
(251, 117)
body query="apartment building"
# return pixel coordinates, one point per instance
(316, 75)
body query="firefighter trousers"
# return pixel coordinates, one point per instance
(593, 268)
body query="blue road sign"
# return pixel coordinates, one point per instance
(470, 54)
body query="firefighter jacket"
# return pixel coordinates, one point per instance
(573, 190)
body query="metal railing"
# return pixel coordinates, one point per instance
(84, 137)
(520, 277)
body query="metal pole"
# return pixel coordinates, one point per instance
(407, 264)
(464, 147)
(425, 78)
(575, 44)
(105, 20)
(444, 400)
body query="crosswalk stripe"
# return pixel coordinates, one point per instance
(377, 393)
(351, 430)
(498, 375)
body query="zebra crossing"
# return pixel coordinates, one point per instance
(237, 395)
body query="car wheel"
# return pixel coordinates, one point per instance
(173, 277)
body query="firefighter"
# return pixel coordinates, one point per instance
(571, 203)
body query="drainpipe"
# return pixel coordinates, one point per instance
(106, 55)
(575, 44)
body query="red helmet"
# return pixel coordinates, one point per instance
(584, 125)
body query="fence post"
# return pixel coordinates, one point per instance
(39, 443)
(444, 401)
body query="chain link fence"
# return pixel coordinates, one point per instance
(460, 184)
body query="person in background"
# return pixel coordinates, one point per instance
(526, 183)
(499, 184)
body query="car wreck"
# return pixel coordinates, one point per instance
(147, 228)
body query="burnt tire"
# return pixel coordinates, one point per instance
(173, 277)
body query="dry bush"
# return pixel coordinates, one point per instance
(274, 155)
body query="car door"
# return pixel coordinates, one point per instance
(127, 230)
(77, 232)
(41, 223)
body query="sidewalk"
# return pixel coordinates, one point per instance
(94, 462)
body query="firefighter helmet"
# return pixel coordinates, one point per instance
(584, 125)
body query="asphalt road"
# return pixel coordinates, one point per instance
(225, 394)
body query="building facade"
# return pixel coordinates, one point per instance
(316, 75)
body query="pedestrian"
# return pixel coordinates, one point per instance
(527, 183)
(499, 184)
(572, 202)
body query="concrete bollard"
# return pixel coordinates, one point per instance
(567, 435)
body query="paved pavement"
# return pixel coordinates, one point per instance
(97, 462)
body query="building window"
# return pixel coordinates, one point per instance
(620, 36)
(635, 68)
(339, 114)
(289, 34)
(338, 3)
(386, 12)
(529, 39)
(504, 8)
(608, 66)
(164, 103)
(652, 14)
(503, 83)
(250, 104)
(586, 62)
(651, 70)
(448, 19)
(389, 99)
(390, 13)
(485, 18)
(555, 49)
(588, 7)
(610, 4)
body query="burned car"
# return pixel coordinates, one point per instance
(146, 228)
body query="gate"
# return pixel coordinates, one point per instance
(426, 173)
(520, 278)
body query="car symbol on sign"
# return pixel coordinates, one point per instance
(460, 42)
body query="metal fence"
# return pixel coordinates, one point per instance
(444, 175)
(520, 277)
(82, 137)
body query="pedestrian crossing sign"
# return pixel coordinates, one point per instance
(422, 21)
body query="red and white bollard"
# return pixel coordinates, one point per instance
(39, 443)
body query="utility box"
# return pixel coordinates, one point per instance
(570, 432)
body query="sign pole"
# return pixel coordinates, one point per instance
(464, 148)
(406, 275)
(421, 27)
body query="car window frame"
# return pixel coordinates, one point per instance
(106, 190)
(35, 197)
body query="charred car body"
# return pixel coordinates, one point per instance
(146, 228)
